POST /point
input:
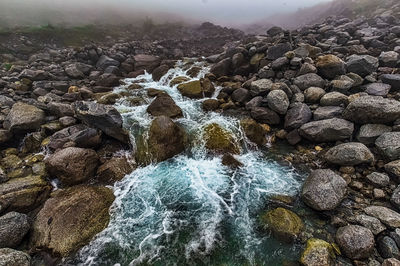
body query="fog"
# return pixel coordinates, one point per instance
(224, 12)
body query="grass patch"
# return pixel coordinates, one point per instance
(7, 66)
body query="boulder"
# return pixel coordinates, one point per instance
(166, 139)
(371, 223)
(391, 262)
(370, 132)
(222, 68)
(24, 118)
(5, 135)
(260, 87)
(329, 66)
(327, 112)
(104, 117)
(317, 252)
(378, 179)
(278, 101)
(70, 218)
(362, 65)
(334, 99)
(283, 223)
(114, 170)
(327, 130)
(349, 154)
(230, 161)
(388, 145)
(313, 94)
(210, 104)
(387, 247)
(297, 116)
(265, 116)
(355, 241)
(241, 95)
(13, 228)
(23, 194)
(385, 215)
(72, 165)
(11, 257)
(163, 104)
(395, 198)
(323, 190)
(393, 80)
(107, 80)
(196, 89)
(34, 75)
(159, 72)
(393, 169)
(309, 80)
(372, 109)
(219, 140)
(276, 51)
(60, 109)
(146, 62)
(79, 135)
(105, 61)
(254, 131)
(377, 89)
(388, 59)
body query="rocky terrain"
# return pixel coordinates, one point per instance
(332, 90)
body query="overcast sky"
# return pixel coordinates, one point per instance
(219, 11)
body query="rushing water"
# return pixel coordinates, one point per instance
(191, 210)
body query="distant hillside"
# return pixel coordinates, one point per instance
(318, 13)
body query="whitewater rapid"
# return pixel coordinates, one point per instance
(191, 209)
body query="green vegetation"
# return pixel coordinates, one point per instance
(7, 66)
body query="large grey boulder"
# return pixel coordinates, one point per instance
(389, 145)
(104, 117)
(323, 190)
(105, 61)
(355, 241)
(11, 257)
(362, 65)
(370, 132)
(327, 130)
(309, 80)
(260, 87)
(222, 68)
(377, 89)
(372, 109)
(24, 118)
(13, 227)
(348, 154)
(278, 101)
(297, 116)
(265, 116)
(327, 112)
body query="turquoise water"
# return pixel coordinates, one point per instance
(192, 210)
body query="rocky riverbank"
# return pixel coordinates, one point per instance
(331, 90)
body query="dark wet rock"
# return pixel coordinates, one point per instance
(371, 223)
(77, 135)
(196, 89)
(395, 198)
(280, 63)
(6, 101)
(330, 66)
(78, 212)
(313, 94)
(107, 80)
(334, 99)
(23, 194)
(34, 75)
(276, 51)
(159, 72)
(309, 80)
(297, 116)
(327, 112)
(114, 170)
(284, 224)
(219, 140)
(11, 257)
(105, 61)
(327, 130)
(261, 87)
(378, 179)
(317, 252)
(293, 137)
(146, 62)
(163, 104)
(229, 160)
(393, 169)
(265, 116)
(349, 154)
(166, 139)
(372, 109)
(387, 248)
(222, 68)
(241, 96)
(355, 241)
(278, 101)
(72, 165)
(389, 145)
(385, 215)
(24, 118)
(377, 89)
(77, 70)
(273, 31)
(362, 65)
(388, 59)
(13, 227)
(5, 135)
(393, 80)
(254, 132)
(210, 104)
(104, 117)
(323, 190)
(60, 109)
(368, 133)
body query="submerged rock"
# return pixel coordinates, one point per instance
(70, 218)
(219, 140)
(317, 252)
(323, 190)
(283, 223)
(355, 241)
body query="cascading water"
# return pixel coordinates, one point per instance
(191, 209)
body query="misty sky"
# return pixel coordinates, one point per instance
(219, 11)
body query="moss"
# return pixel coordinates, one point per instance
(284, 224)
(317, 252)
(219, 140)
(255, 60)
(7, 66)
(191, 89)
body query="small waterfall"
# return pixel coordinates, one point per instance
(191, 209)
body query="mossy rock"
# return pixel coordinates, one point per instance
(284, 224)
(70, 218)
(108, 98)
(178, 80)
(318, 252)
(194, 71)
(191, 89)
(255, 59)
(254, 131)
(219, 140)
